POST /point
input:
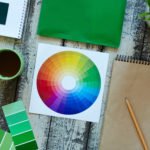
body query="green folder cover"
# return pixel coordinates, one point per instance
(91, 21)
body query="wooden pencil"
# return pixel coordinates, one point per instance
(136, 124)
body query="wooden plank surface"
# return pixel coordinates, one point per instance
(65, 134)
(131, 45)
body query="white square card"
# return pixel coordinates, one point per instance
(68, 82)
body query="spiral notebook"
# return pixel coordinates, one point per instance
(130, 78)
(12, 15)
(96, 22)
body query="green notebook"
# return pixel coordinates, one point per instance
(91, 21)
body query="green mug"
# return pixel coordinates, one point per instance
(11, 64)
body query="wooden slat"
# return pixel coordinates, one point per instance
(145, 54)
(70, 134)
(131, 45)
(66, 134)
(7, 89)
(40, 123)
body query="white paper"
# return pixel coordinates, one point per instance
(91, 114)
(15, 18)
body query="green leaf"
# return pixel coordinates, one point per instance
(148, 2)
(148, 18)
(144, 15)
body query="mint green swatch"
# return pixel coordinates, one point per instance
(13, 119)
(13, 108)
(19, 126)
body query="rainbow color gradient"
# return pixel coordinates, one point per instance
(68, 82)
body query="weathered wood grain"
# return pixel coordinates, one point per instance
(40, 123)
(58, 133)
(62, 128)
(73, 133)
(7, 90)
(145, 54)
(131, 45)
(70, 134)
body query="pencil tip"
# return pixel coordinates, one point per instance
(126, 99)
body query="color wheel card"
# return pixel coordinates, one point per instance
(68, 82)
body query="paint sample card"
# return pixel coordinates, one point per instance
(3, 12)
(6, 142)
(68, 82)
(19, 126)
(12, 15)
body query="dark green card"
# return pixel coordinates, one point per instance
(3, 12)
(91, 21)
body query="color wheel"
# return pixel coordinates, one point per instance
(68, 82)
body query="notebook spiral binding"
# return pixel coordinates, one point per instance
(22, 19)
(132, 59)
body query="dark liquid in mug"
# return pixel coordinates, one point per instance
(9, 63)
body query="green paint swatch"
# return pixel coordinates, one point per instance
(19, 126)
(6, 142)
